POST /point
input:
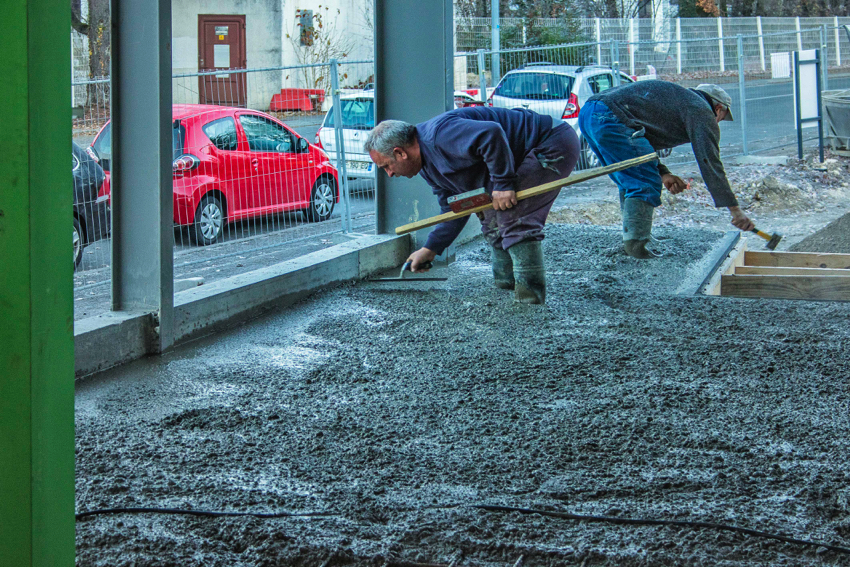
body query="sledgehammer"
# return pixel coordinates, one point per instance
(772, 239)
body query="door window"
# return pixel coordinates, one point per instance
(222, 133)
(266, 135)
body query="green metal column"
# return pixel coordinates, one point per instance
(36, 294)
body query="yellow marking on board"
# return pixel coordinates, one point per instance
(221, 37)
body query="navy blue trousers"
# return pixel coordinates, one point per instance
(526, 219)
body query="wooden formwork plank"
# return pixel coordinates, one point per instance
(797, 260)
(785, 271)
(831, 288)
(734, 259)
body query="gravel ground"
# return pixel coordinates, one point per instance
(394, 407)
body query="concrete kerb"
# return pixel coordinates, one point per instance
(119, 337)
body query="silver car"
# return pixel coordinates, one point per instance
(557, 90)
(358, 119)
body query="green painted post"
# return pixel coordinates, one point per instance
(36, 288)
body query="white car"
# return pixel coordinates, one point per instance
(557, 90)
(358, 119)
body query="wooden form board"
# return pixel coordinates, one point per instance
(782, 275)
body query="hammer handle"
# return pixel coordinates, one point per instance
(533, 191)
(764, 235)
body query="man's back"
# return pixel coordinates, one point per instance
(671, 114)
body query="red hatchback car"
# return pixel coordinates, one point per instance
(232, 164)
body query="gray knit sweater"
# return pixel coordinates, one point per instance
(671, 116)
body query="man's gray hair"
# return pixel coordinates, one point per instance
(390, 134)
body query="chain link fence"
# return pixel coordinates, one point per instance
(251, 187)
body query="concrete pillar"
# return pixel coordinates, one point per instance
(142, 198)
(36, 288)
(413, 82)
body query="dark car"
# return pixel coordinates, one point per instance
(231, 164)
(91, 209)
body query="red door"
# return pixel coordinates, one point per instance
(221, 46)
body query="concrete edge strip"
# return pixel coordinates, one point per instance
(119, 337)
(716, 256)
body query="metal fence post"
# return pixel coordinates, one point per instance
(632, 46)
(824, 48)
(799, 34)
(615, 61)
(742, 84)
(837, 44)
(761, 43)
(496, 42)
(482, 78)
(598, 41)
(720, 42)
(678, 46)
(340, 148)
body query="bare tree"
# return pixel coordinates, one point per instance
(97, 29)
(316, 39)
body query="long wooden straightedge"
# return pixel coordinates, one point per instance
(531, 192)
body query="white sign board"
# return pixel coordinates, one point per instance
(780, 65)
(808, 87)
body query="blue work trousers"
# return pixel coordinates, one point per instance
(612, 142)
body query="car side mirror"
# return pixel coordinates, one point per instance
(303, 145)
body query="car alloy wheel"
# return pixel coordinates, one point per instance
(78, 243)
(209, 220)
(322, 200)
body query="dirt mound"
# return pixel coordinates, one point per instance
(833, 238)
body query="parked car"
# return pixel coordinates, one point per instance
(232, 164)
(91, 211)
(358, 119)
(557, 90)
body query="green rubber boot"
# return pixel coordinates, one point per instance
(529, 271)
(637, 228)
(503, 268)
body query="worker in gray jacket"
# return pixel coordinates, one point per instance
(643, 117)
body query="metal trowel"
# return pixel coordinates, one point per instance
(406, 268)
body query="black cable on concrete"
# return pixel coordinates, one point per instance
(679, 523)
(207, 513)
(489, 508)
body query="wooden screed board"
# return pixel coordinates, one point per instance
(782, 275)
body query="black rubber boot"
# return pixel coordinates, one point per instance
(637, 228)
(529, 271)
(503, 268)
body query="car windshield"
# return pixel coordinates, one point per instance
(535, 86)
(357, 114)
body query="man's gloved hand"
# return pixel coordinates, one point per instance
(504, 200)
(740, 220)
(420, 257)
(673, 183)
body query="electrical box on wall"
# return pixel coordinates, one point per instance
(305, 23)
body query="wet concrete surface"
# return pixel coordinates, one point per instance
(391, 407)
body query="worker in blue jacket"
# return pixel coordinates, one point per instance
(643, 117)
(501, 150)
